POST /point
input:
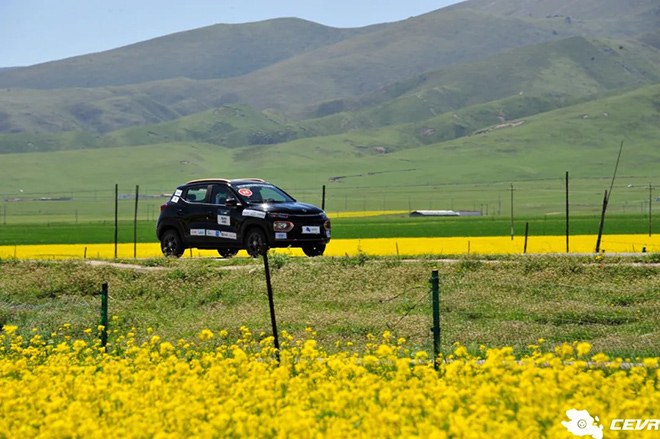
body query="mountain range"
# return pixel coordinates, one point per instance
(303, 69)
(473, 68)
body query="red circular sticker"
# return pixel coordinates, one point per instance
(245, 192)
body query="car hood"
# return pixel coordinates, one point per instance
(291, 208)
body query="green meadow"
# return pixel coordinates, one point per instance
(511, 302)
(387, 226)
(380, 169)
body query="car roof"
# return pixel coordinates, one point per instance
(225, 180)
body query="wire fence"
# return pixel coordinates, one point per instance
(540, 197)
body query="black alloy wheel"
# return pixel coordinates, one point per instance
(255, 242)
(171, 245)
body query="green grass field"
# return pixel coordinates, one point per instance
(514, 301)
(390, 226)
(383, 169)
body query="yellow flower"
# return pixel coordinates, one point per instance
(583, 349)
(10, 329)
(600, 358)
(79, 345)
(62, 389)
(564, 350)
(650, 363)
(460, 351)
(166, 348)
(205, 334)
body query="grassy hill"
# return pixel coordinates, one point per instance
(430, 108)
(467, 173)
(579, 10)
(218, 51)
(295, 67)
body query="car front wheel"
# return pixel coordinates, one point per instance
(314, 249)
(255, 242)
(171, 244)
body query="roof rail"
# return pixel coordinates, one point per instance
(258, 180)
(225, 180)
(201, 180)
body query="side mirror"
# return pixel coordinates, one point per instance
(231, 202)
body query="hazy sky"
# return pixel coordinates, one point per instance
(35, 31)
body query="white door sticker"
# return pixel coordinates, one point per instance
(228, 235)
(220, 234)
(197, 232)
(224, 220)
(254, 213)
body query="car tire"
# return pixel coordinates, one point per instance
(313, 250)
(255, 242)
(227, 252)
(171, 245)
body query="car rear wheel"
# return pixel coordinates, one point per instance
(227, 252)
(255, 242)
(313, 249)
(171, 244)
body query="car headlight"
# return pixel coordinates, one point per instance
(282, 226)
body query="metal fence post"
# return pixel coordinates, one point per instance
(271, 303)
(135, 215)
(116, 216)
(104, 316)
(602, 222)
(435, 295)
(323, 198)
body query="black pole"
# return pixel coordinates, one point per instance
(526, 233)
(606, 200)
(104, 316)
(116, 216)
(602, 222)
(137, 196)
(435, 293)
(616, 167)
(650, 209)
(512, 211)
(567, 216)
(323, 199)
(271, 304)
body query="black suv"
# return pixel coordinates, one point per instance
(247, 213)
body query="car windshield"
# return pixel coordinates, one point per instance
(257, 193)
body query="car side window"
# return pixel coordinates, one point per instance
(196, 194)
(220, 194)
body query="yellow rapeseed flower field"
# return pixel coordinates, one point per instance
(58, 386)
(488, 245)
